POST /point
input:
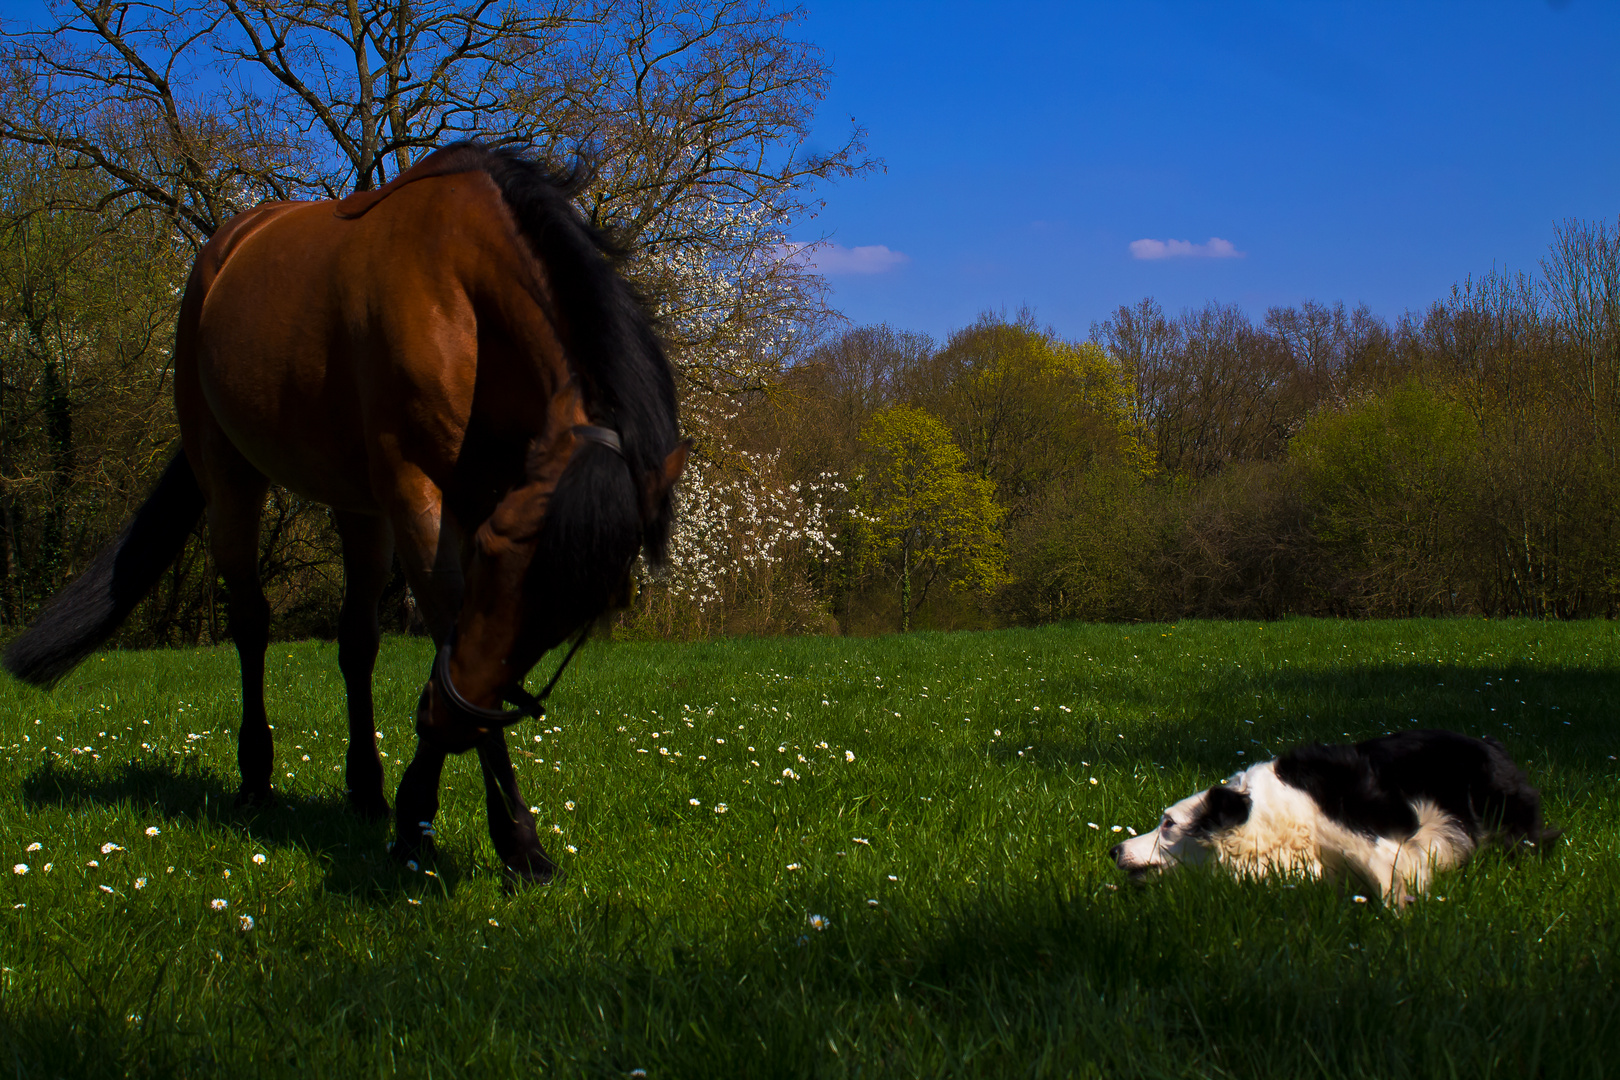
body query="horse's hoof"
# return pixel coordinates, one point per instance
(412, 857)
(255, 799)
(372, 808)
(533, 869)
(413, 851)
(515, 881)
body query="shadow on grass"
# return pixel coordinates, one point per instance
(1541, 715)
(351, 849)
(1210, 977)
(88, 1043)
(1250, 979)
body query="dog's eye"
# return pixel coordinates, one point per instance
(1166, 825)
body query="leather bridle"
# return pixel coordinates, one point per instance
(606, 436)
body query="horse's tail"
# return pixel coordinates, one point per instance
(91, 607)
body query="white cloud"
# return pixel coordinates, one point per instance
(837, 259)
(1216, 248)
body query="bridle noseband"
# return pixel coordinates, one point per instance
(527, 705)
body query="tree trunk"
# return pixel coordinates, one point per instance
(905, 587)
(55, 562)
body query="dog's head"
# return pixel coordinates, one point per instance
(1187, 832)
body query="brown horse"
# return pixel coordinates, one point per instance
(450, 364)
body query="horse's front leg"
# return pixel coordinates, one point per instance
(430, 556)
(511, 825)
(368, 554)
(417, 803)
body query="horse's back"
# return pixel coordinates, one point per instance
(330, 349)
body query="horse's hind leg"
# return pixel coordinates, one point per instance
(511, 825)
(368, 553)
(236, 499)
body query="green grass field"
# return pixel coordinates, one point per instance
(880, 857)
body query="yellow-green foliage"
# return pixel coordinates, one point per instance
(1095, 385)
(923, 508)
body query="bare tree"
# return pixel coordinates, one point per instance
(200, 109)
(827, 397)
(692, 115)
(1582, 282)
(1209, 384)
(1143, 342)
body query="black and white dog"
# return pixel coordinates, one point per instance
(1392, 811)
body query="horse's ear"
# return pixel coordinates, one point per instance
(660, 480)
(674, 465)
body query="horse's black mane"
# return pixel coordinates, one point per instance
(611, 340)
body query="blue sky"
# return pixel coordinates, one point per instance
(1371, 153)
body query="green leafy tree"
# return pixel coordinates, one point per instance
(1082, 553)
(1028, 409)
(1392, 488)
(1042, 419)
(924, 513)
(85, 302)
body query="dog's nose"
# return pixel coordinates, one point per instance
(1117, 853)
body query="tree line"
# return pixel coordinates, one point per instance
(1319, 460)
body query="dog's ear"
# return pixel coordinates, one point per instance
(1224, 808)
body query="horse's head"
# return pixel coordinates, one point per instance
(553, 557)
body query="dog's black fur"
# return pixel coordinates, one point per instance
(1224, 808)
(1370, 786)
